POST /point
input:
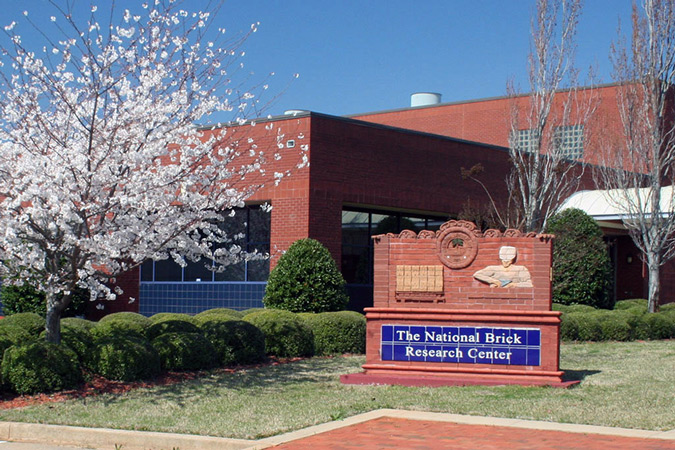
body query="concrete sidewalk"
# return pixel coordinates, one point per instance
(379, 429)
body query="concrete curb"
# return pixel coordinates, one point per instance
(105, 439)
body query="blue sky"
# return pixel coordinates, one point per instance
(360, 56)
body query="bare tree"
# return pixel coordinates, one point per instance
(645, 73)
(547, 126)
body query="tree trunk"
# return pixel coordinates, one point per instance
(654, 284)
(55, 307)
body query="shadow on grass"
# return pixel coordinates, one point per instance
(578, 375)
(254, 380)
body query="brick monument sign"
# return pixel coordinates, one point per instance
(461, 306)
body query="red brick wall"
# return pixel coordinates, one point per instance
(488, 120)
(461, 290)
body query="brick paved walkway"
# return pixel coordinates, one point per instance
(397, 433)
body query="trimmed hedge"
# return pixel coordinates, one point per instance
(123, 328)
(40, 367)
(31, 322)
(286, 335)
(170, 326)
(76, 334)
(160, 317)
(306, 279)
(123, 358)
(184, 351)
(15, 333)
(337, 332)
(127, 316)
(235, 341)
(628, 321)
(220, 311)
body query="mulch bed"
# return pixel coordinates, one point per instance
(98, 385)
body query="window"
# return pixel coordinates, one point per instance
(526, 140)
(357, 246)
(569, 140)
(252, 224)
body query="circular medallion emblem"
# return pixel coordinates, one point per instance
(457, 247)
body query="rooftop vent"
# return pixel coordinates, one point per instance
(294, 112)
(425, 99)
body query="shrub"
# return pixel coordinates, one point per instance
(615, 328)
(655, 326)
(667, 307)
(220, 311)
(581, 265)
(127, 316)
(588, 327)
(123, 358)
(122, 328)
(40, 367)
(25, 298)
(170, 326)
(580, 308)
(635, 303)
(76, 335)
(159, 317)
(306, 279)
(31, 322)
(235, 341)
(184, 351)
(15, 333)
(559, 307)
(201, 319)
(285, 333)
(246, 312)
(337, 332)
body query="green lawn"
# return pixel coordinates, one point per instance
(625, 384)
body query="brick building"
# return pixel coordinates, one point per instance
(367, 174)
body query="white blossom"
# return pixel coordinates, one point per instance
(109, 170)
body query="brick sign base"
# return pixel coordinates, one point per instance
(462, 306)
(460, 347)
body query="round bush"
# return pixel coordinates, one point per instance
(235, 341)
(122, 328)
(159, 317)
(246, 312)
(15, 333)
(337, 332)
(306, 279)
(200, 320)
(581, 308)
(286, 335)
(123, 359)
(127, 316)
(667, 307)
(588, 326)
(76, 335)
(40, 367)
(220, 311)
(581, 264)
(31, 322)
(184, 351)
(170, 326)
(635, 303)
(615, 328)
(655, 326)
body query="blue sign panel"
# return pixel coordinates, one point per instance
(455, 344)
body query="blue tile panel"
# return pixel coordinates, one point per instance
(457, 344)
(192, 298)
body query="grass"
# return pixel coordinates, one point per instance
(625, 384)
